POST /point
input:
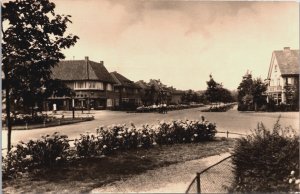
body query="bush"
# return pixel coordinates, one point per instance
(51, 150)
(154, 108)
(22, 119)
(220, 108)
(121, 137)
(44, 152)
(263, 160)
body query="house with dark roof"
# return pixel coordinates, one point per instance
(283, 73)
(92, 83)
(128, 93)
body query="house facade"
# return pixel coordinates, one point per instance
(128, 94)
(283, 74)
(92, 83)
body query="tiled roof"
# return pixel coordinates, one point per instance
(142, 84)
(123, 81)
(79, 70)
(288, 61)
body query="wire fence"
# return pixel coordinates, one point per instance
(217, 178)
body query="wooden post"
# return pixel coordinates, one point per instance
(227, 133)
(198, 184)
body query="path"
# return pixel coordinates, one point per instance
(171, 179)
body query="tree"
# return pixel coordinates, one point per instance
(33, 37)
(212, 91)
(251, 93)
(258, 89)
(216, 93)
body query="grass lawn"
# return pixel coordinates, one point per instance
(83, 175)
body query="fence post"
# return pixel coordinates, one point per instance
(227, 133)
(198, 184)
(26, 125)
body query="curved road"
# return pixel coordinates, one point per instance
(232, 121)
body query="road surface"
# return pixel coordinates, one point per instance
(232, 121)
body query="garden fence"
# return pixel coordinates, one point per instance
(214, 179)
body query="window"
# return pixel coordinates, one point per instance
(125, 99)
(109, 87)
(92, 85)
(289, 80)
(99, 86)
(109, 102)
(79, 85)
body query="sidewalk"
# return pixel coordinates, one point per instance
(171, 179)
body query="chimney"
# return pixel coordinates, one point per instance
(101, 62)
(287, 50)
(86, 58)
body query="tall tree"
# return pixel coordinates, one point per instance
(251, 93)
(33, 37)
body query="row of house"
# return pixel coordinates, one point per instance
(96, 88)
(283, 72)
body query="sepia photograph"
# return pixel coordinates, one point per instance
(150, 96)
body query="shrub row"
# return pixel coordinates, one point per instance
(51, 150)
(219, 108)
(22, 119)
(155, 108)
(263, 161)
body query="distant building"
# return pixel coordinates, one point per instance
(128, 93)
(283, 71)
(92, 83)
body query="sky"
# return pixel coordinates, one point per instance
(181, 42)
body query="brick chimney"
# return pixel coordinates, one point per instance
(287, 50)
(86, 58)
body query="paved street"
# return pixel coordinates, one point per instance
(232, 121)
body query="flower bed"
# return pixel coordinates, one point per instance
(22, 119)
(49, 150)
(219, 108)
(155, 108)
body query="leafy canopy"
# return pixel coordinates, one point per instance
(33, 38)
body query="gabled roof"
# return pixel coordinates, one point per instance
(70, 70)
(142, 84)
(288, 61)
(123, 81)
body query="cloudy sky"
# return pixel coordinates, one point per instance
(181, 42)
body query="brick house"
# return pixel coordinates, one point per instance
(283, 73)
(92, 83)
(128, 93)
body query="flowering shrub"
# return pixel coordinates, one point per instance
(294, 183)
(264, 159)
(49, 150)
(44, 152)
(121, 137)
(154, 108)
(220, 108)
(22, 119)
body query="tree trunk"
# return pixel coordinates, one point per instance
(8, 119)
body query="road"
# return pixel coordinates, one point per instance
(232, 121)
